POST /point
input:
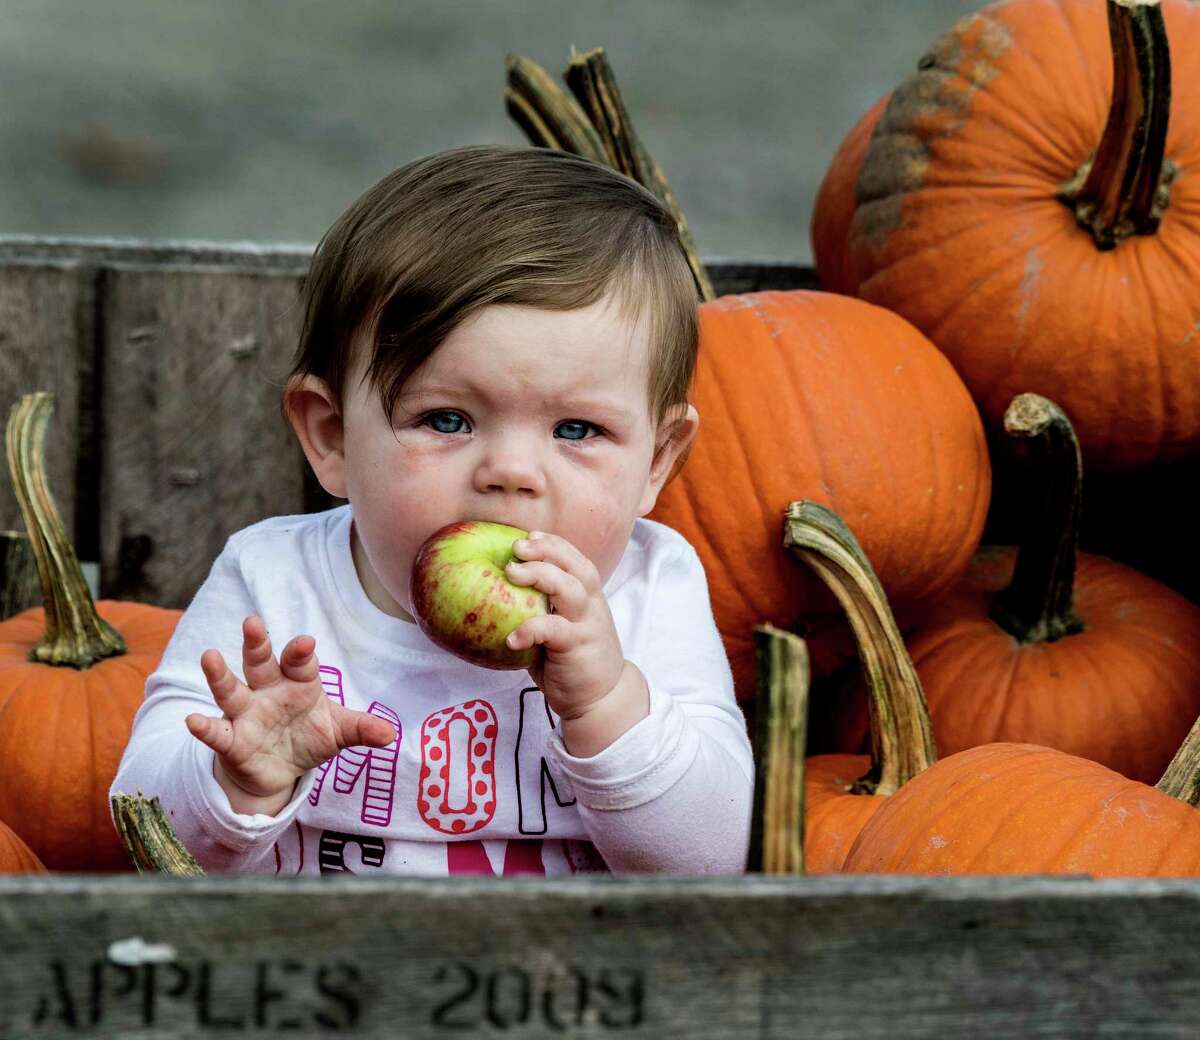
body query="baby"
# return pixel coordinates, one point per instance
(489, 333)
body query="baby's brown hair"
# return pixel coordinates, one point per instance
(444, 236)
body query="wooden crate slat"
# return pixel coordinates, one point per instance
(194, 446)
(866, 958)
(47, 342)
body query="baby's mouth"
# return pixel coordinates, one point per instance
(508, 522)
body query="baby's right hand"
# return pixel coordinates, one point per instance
(279, 723)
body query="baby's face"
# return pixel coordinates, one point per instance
(535, 418)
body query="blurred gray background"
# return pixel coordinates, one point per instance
(260, 120)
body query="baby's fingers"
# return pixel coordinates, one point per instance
(553, 631)
(298, 661)
(362, 729)
(566, 592)
(216, 733)
(258, 659)
(228, 690)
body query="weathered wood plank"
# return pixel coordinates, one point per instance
(47, 341)
(729, 275)
(193, 255)
(194, 446)
(836, 958)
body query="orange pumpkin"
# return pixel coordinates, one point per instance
(981, 218)
(1046, 646)
(816, 395)
(15, 856)
(1025, 809)
(71, 678)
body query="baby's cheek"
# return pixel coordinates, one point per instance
(602, 537)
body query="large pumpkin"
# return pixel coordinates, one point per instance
(820, 396)
(981, 219)
(71, 678)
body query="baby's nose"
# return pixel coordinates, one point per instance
(510, 471)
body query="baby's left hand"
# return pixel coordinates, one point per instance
(583, 660)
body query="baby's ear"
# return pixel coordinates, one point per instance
(312, 409)
(675, 435)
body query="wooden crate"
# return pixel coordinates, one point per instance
(835, 958)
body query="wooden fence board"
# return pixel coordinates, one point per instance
(194, 446)
(855, 958)
(47, 332)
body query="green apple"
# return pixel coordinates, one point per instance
(462, 599)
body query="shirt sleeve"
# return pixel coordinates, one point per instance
(674, 793)
(162, 759)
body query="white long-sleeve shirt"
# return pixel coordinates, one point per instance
(478, 779)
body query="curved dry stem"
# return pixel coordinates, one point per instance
(590, 78)
(1125, 186)
(901, 732)
(547, 114)
(1182, 777)
(76, 635)
(152, 844)
(781, 738)
(1038, 605)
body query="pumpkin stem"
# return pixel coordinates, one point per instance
(149, 838)
(1182, 777)
(1125, 186)
(901, 733)
(1038, 605)
(595, 126)
(76, 636)
(549, 116)
(781, 736)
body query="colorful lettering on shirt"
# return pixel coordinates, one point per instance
(521, 856)
(457, 790)
(331, 853)
(533, 774)
(377, 765)
(457, 785)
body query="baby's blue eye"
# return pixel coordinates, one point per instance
(574, 429)
(445, 422)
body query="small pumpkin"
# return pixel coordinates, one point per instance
(1035, 214)
(72, 674)
(15, 856)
